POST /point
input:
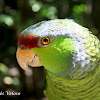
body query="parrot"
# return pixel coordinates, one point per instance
(70, 54)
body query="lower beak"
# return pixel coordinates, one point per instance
(27, 57)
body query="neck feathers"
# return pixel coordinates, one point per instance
(59, 88)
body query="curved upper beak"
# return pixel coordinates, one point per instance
(27, 57)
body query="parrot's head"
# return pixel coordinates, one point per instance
(53, 44)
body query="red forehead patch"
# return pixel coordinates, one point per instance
(29, 41)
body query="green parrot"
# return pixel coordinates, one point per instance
(69, 53)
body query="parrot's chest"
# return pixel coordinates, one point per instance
(65, 89)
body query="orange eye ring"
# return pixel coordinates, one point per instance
(45, 40)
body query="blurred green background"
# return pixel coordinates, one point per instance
(15, 16)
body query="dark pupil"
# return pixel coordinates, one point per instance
(45, 40)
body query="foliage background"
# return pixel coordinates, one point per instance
(15, 16)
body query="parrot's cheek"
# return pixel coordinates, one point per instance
(27, 57)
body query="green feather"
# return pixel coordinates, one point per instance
(57, 52)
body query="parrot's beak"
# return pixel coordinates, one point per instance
(27, 57)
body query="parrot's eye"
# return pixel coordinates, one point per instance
(45, 40)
